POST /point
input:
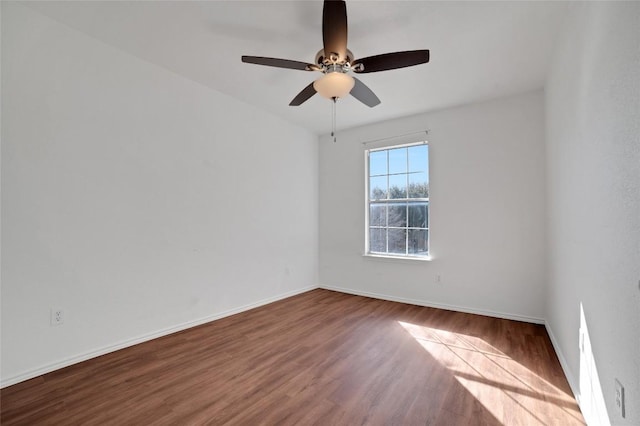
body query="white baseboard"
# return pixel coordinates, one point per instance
(144, 338)
(430, 304)
(573, 384)
(160, 333)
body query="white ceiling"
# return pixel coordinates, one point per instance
(479, 50)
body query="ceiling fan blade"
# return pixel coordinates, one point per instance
(391, 61)
(334, 29)
(365, 95)
(279, 63)
(305, 94)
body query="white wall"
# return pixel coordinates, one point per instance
(487, 211)
(593, 157)
(136, 200)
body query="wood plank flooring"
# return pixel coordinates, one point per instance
(319, 358)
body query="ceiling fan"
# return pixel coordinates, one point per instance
(335, 61)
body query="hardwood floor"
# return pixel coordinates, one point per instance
(322, 358)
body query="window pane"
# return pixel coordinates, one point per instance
(418, 158)
(377, 163)
(377, 215)
(418, 185)
(398, 241)
(398, 186)
(397, 214)
(378, 240)
(378, 188)
(418, 241)
(418, 215)
(398, 222)
(398, 160)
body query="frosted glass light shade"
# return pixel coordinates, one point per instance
(334, 85)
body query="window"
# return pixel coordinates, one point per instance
(398, 201)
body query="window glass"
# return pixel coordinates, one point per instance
(398, 186)
(378, 215)
(418, 158)
(398, 201)
(397, 160)
(378, 163)
(378, 187)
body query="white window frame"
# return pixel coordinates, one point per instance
(367, 251)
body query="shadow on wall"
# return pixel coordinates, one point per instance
(591, 398)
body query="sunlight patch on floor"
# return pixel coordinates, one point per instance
(508, 390)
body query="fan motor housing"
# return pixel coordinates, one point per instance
(320, 58)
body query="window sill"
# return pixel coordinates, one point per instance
(409, 259)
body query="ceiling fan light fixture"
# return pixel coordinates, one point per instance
(334, 85)
(335, 61)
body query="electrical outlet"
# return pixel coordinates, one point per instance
(620, 398)
(57, 316)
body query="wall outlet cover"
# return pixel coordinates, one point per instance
(620, 398)
(57, 316)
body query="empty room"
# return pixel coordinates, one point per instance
(320, 213)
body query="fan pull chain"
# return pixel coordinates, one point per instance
(333, 120)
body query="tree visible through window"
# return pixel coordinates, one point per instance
(398, 201)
